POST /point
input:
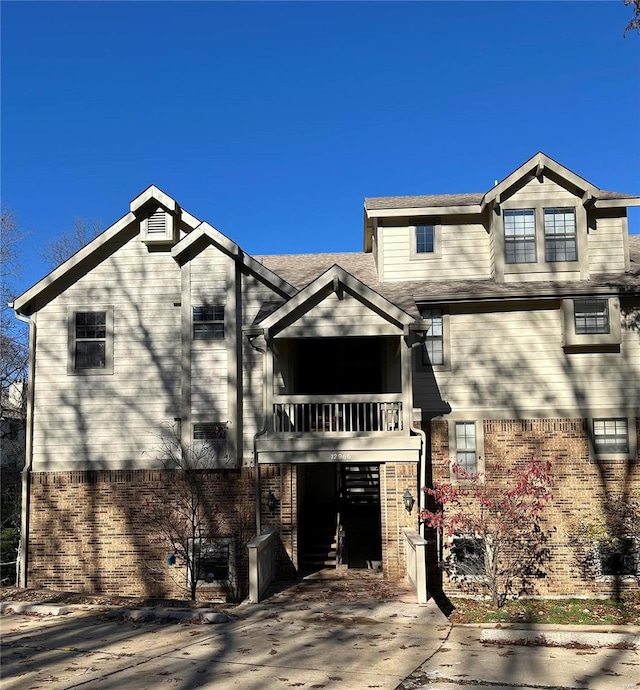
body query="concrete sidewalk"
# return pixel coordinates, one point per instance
(315, 635)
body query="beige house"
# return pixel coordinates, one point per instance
(473, 329)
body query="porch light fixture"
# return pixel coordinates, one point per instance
(272, 502)
(408, 501)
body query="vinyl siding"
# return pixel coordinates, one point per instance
(110, 420)
(606, 246)
(511, 362)
(209, 279)
(465, 251)
(334, 316)
(254, 295)
(538, 192)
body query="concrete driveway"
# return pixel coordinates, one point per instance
(320, 634)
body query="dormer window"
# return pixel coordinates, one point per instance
(520, 236)
(157, 227)
(560, 243)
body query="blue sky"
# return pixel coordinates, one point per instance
(272, 121)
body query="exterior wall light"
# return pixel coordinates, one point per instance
(171, 559)
(408, 501)
(272, 502)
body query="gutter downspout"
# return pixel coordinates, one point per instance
(23, 548)
(261, 432)
(423, 471)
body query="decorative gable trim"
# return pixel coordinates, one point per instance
(206, 234)
(536, 167)
(334, 280)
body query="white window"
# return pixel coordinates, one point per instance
(208, 322)
(560, 242)
(466, 448)
(425, 239)
(591, 316)
(520, 236)
(433, 350)
(611, 435)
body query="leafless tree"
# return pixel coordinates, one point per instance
(181, 512)
(59, 249)
(634, 23)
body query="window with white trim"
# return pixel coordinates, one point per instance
(425, 239)
(433, 349)
(591, 316)
(466, 447)
(519, 236)
(210, 440)
(611, 435)
(208, 322)
(560, 240)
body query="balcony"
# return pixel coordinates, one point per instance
(338, 414)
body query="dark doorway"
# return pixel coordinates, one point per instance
(339, 516)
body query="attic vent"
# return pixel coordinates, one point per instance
(158, 227)
(157, 224)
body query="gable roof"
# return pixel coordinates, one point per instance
(335, 279)
(475, 201)
(126, 228)
(207, 234)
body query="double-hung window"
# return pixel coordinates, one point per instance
(560, 243)
(90, 341)
(433, 350)
(520, 236)
(208, 322)
(591, 316)
(466, 447)
(425, 239)
(610, 435)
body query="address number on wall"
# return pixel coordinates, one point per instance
(340, 456)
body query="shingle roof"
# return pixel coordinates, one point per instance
(425, 200)
(434, 200)
(301, 269)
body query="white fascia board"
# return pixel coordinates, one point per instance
(617, 203)
(215, 236)
(353, 286)
(424, 211)
(539, 162)
(104, 237)
(152, 192)
(267, 276)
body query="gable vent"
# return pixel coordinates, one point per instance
(157, 224)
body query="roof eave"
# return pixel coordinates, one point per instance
(467, 209)
(21, 303)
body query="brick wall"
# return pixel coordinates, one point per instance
(91, 531)
(582, 486)
(395, 479)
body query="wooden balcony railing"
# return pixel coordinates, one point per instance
(338, 416)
